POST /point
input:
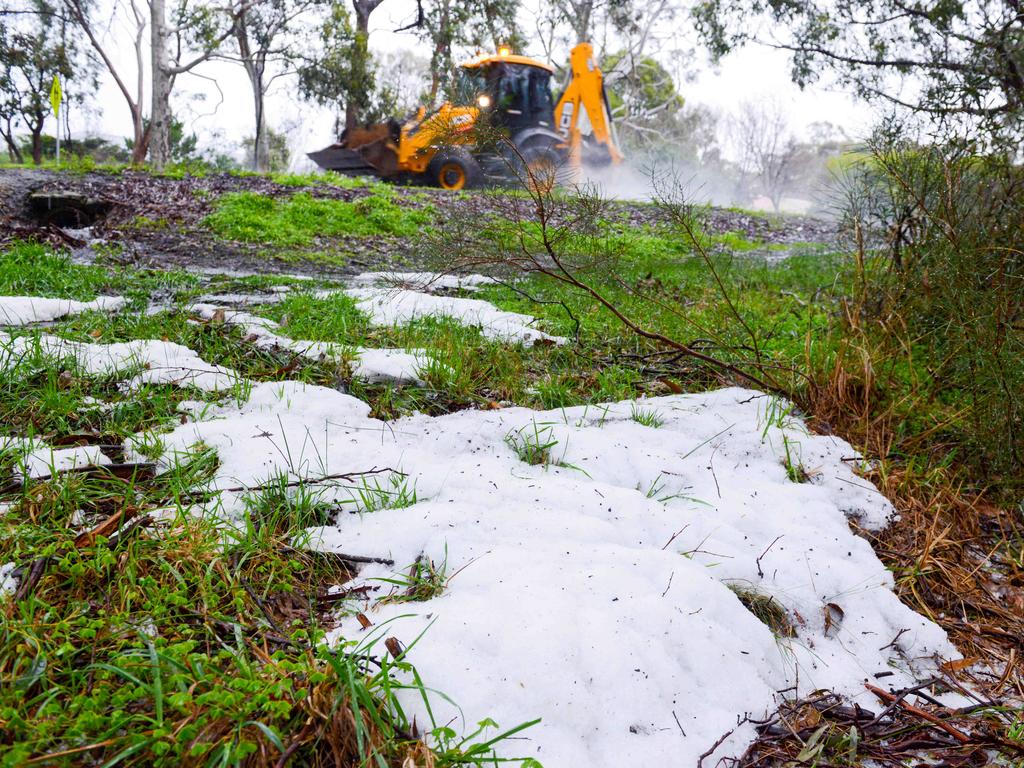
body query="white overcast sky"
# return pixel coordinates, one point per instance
(748, 74)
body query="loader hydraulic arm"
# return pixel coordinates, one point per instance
(584, 98)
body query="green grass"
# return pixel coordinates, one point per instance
(332, 318)
(533, 443)
(324, 178)
(32, 269)
(766, 608)
(162, 647)
(182, 639)
(647, 417)
(396, 492)
(788, 304)
(300, 219)
(52, 398)
(463, 368)
(423, 580)
(216, 343)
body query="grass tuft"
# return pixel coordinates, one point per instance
(766, 608)
(532, 443)
(647, 417)
(423, 581)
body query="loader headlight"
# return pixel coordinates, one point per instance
(483, 101)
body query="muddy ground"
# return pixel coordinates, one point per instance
(158, 221)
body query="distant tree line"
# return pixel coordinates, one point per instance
(964, 61)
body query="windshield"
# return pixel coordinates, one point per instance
(523, 94)
(469, 83)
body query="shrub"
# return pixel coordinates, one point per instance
(946, 299)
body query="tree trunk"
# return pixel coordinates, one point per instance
(442, 51)
(584, 10)
(363, 9)
(13, 151)
(361, 50)
(261, 150)
(160, 107)
(254, 66)
(37, 146)
(140, 137)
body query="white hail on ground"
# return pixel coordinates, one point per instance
(593, 592)
(22, 310)
(592, 589)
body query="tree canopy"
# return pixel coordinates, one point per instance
(951, 60)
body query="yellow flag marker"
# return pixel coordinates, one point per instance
(56, 96)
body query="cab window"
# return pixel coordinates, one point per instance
(469, 83)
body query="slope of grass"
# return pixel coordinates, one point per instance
(298, 220)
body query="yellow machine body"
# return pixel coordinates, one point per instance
(578, 123)
(418, 143)
(583, 99)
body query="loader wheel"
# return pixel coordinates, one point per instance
(454, 171)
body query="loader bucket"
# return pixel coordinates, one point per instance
(368, 150)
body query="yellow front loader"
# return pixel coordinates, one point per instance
(511, 94)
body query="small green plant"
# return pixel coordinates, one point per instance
(766, 608)
(532, 443)
(423, 581)
(1015, 732)
(795, 469)
(149, 445)
(453, 750)
(556, 392)
(778, 413)
(395, 493)
(648, 417)
(656, 490)
(586, 421)
(282, 505)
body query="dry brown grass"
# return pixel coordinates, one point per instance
(955, 553)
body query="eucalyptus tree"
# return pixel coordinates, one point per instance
(480, 24)
(190, 36)
(337, 72)
(958, 61)
(36, 44)
(129, 79)
(268, 35)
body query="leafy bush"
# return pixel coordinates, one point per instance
(947, 299)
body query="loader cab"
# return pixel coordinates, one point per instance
(514, 90)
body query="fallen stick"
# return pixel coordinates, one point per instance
(145, 470)
(957, 734)
(107, 528)
(35, 569)
(312, 480)
(337, 555)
